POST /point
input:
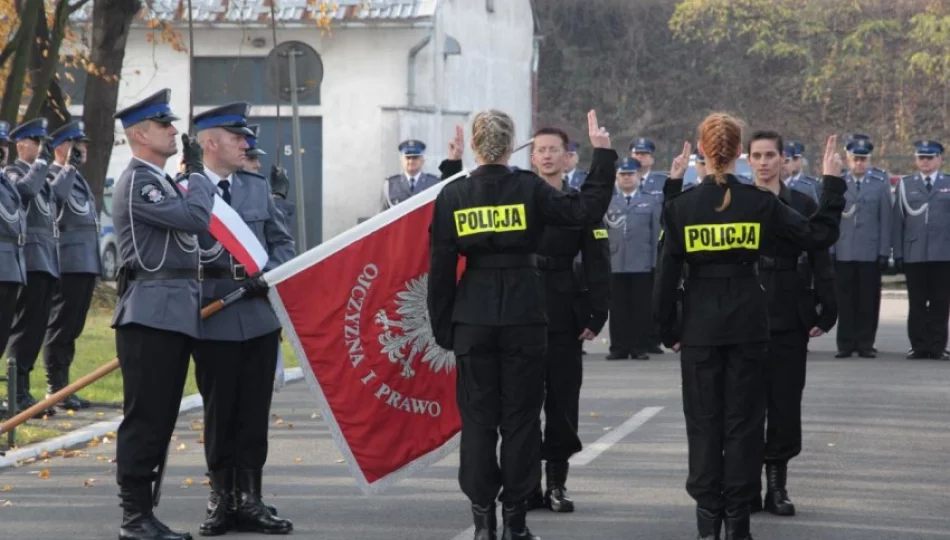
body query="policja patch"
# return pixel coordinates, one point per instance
(151, 193)
(723, 236)
(490, 219)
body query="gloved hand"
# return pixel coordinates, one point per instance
(882, 263)
(898, 266)
(279, 181)
(46, 150)
(75, 157)
(256, 287)
(193, 155)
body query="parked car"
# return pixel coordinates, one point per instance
(742, 169)
(108, 247)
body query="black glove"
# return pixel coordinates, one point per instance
(279, 182)
(46, 150)
(882, 263)
(256, 287)
(193, 155)
(75, 157)
(898, 266)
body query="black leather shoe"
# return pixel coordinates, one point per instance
(639, 355)
(737, 524)
(618, 356)
(138, 521)
(867, 353)
(709, 523)
(213, 497)
(914, 355)
(776, 496)
(514, 526)
(251, 514)
(940, 356)
(57, 378)
(486, 524)
(220, 518)
(844, 354)
(25, 400)
(556, 497)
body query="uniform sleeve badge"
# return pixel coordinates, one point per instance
(152, 194)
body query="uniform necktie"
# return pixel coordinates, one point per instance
(628, 199)
(929, 185)
(857, 185)
(225, 190)
(412, 185)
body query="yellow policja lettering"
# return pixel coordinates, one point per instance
(722, 236)
(600, 234)
(490, 219)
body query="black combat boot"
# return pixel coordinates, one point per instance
(536, 500)
(213, 497)
(737, 524)
(486, 524)
(138, 521)
(220, 519)
(252, 515)
(25, 400)
(57, 378)
(513, 521)
(776, 497)
(555, 497)
(709, 523)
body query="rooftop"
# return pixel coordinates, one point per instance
(286, 11)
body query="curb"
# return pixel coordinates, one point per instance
(88, 433)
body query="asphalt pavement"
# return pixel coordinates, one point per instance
(874, 465)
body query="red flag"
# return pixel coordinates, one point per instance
(354, 309)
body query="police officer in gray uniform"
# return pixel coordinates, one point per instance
(861, 253)
(633, 228)
(280, 184)
(642, 150)
(79, 265)
(400, 187)
(921, 240)
(573, 176)
(798, 180)
(39, 199)
(236, 357)
(157, 318)
(12, 239)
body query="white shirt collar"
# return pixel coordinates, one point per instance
(213, 176)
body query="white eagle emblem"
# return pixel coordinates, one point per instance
(415, 338)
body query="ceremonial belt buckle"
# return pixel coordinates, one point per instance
(201, 272)
(238, 272)
(21, 239)
(56, 231)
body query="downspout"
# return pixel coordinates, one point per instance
(413, 52)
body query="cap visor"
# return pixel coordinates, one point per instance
(254, 152)
(164, 119)
(240, 130)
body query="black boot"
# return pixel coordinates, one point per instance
(513, 520)
(555, 497)
(709, 523)
(737, 525)
(213, 498)
(536, 500)
(138, 521)
(252, 515)
(221, 504)
(25, 400)
(776, 497)
(73, 402)
(486, 524)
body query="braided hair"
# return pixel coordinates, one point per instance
(493, 135)
(720, 135)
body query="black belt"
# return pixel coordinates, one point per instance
(237, 273)
(555, 263)
(17, 240)
(706, 271)
(170, 273)
(43, 231)
(777, 263)
(86, 227)
(502, 260)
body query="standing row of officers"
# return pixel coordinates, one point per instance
(906, 225)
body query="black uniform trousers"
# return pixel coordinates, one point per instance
(632, 328)
(500, 388)
(784, 385)
(29, 323)
(8, 295)
(859, 303)
(72, 296)
(236, 381)
(724, 405)
(154, 366)
(563, 374)
(928, 296)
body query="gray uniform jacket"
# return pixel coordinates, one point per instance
(78, 222)
(39, 200)
(866, 221)
(921, 224)
(250, 317)
(12, 233)
(156, 225)
(654, 182)
(634, 230)
(396, 188)
(808, 185)
(287, 211)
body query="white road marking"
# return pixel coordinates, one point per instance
(590, 453)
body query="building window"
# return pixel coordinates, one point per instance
(219, 80)
(72, 80)
(490, 6)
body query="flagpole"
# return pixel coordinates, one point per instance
(273, 29)
(191, 68)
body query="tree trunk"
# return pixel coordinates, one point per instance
(111, 20)
(13, 92)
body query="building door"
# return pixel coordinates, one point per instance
(311, 139)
